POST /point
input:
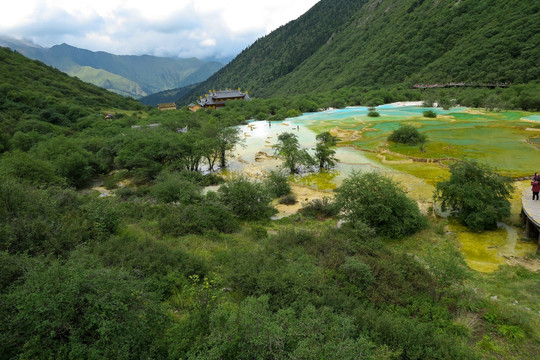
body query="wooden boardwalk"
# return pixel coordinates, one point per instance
(530, 211)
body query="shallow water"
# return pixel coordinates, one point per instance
(498, 139)
(486, 251)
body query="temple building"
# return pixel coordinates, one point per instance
(167, 106)
(216, 99)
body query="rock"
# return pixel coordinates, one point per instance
(515, 302)
(494, 298)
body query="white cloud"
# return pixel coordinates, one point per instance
(160, 27)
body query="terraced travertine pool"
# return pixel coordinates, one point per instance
(508, 141)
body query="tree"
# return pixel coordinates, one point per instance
(173, 187)
(277, 183)
(372, 112)
(323, 152)
(429, 114)
(375, 200)
(445, 103)
(474, 193)
(493, 103)
(228, 138)
(288, 148)
(248, 200)
(409, 135)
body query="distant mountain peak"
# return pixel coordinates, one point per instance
(131, 75)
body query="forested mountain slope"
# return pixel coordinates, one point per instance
(36, 97)
(388, 42)
(130, 75)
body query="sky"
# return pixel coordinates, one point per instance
(176, 28)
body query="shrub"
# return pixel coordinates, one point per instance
(373, 114)
(277, 183)
(358, 272)
(377, 201)
(83, 309)
(172, 187)
(429, 114)
(258, 232)
(198, 219)
(289, 199)
(320, 207)
(407, 134)
(248, 200)
(475, 194)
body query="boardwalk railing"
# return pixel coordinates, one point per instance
(530, 213)
(462, 84)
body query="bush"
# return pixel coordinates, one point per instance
(324, 207)
(289, 199)
(475, 194)
(429, 114)
(358, 272)
(373, 114)
(73, 309)
(172, 187)
(277, 183)
(377, 201)
(407, 134)
(198, 219)
(248, 200)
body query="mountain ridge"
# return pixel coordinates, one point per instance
(133, 75)
(389, 43)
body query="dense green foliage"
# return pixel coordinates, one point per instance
(407, 134)
(164, 271)
(277, 183)
(375, 200)
(324, 154)
(246, 199)
(477, 195)
(293, 156)
(429, 114)
(370, 43)
(79, 309)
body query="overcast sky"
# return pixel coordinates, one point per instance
(183, 28)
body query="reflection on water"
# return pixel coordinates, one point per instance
(485, 251)
(260, 136)
(487, 137)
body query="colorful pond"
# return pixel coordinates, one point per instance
(508, 141)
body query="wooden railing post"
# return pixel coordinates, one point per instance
(527, 228)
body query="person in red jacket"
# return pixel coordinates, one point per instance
(535, 185)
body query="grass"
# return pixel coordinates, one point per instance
(498, 139)
(487, 311)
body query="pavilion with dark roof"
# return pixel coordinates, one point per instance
(216, 99)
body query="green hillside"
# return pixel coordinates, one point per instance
(386, 42)
(142, 75)
(107, 80)
(39, 98)
(110, 248)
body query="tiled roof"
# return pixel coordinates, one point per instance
(219, 97)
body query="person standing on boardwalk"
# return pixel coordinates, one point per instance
(535, 185)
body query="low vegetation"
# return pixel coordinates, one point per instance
(164, 270)
(477, 195)
(376, 201)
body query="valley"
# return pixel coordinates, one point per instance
(363, 201)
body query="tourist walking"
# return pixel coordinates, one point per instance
(535, 185)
